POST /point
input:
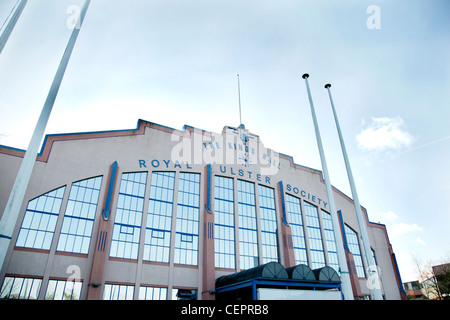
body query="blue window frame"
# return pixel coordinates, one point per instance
(314, 236)
(353, 245)
(248, 237)
(152, 293)
(128, 219)
(76, 230)
(294, 215)
(63, 290)
(159, 217)
(268, 219)
(330, 241)
(186, 236)
(118, 292)
(225, 256)
(20, 288)
(39, 221)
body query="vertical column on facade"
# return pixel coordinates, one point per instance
(354, 280)
(258, 225)
(173, 229)
(287, 245)
(306, 233)
(237, 249)
(104, 230)
(142, 238)
(208, 238)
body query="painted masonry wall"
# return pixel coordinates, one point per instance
(75, 157)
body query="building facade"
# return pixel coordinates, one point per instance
(158, 213)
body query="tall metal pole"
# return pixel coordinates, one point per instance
(12, 22)
(370, 261)
(345, 276)
(9, 217)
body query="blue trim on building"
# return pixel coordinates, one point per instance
(343, 230)
(283, 206)
(107, 211)
(208, 189)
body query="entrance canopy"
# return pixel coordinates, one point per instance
(271, 281)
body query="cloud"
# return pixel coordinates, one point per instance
(402, 228)
(385, 133)
(388, 216)
(419, 240)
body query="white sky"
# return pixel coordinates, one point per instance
(175, 62)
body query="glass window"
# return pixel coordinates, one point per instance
(314, 236)
(63, 290)
(127, 223)
(353, 245)
(20, 288)
(268, 218)
(118, 292)
(159, 217)
(330, 240)
(186, 237)
(248, 239)
(76, 230)
(39, 221)
(152, 293)
(294, 215)
(224, 223)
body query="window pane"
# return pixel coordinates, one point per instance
(63, 290)
(268, 224)
(294, 214)
(159, 217)
(353, 245)
(186, 236)
(314, 236)
(127, 224)
(152, 293)
(39, 222)
(224, 223)
(79, 217)
(118, 292)
(330, 240)
(20, 288)
(248, 240)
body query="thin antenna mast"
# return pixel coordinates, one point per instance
(239, 94)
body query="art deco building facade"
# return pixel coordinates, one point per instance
(158, 213)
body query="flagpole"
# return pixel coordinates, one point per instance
(370, 261)
(16, 197)
(11, 24)
(345, 276)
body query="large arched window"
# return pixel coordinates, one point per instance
(224, 223)
(268, 218)
(294, 213)
(128, 219)
(188, 211)
(76, 230)
(330, 240)
(39, 221)
(159, 217)
(248, 237)
(353, 245)
(314, 236)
